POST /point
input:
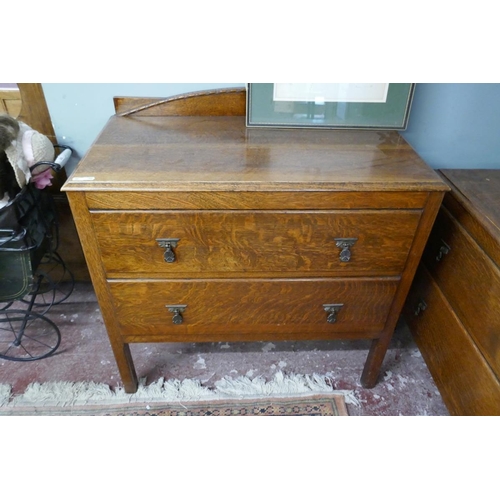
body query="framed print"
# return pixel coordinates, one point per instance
(384, 106)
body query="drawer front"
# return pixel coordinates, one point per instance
(466, 382)
(250, 309)
(470, 281)
(211, 243)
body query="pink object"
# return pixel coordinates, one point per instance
(43, 179)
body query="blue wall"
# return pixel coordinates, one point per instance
(451, 125)
(456, 125)
(79, 111)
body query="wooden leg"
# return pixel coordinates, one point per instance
(374, 360)
(90, 245)
(126, 366)
(379, 346)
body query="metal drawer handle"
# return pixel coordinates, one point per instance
(421, 306)
(443, 250)
(345, 245)
(332, 310)
(177, 311)
(168, 244)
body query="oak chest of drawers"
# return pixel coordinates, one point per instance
(197, 229)
(453, 308)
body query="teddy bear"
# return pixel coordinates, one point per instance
(22, 147)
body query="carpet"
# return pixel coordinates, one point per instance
(319, 406)
(290, 395)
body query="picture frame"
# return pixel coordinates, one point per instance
(380, 106)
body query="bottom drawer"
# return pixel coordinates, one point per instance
(231, 310)
(466, 382)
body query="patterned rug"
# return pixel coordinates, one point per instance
(284, 395)
(318, 405)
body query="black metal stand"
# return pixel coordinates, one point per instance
(32, 274)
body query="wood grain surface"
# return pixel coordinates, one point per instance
(465, 380)
(248, 308)
(255, 242)
(470, 280)
(475, 203)
(242, 200)
(121, 350)
(256, 212)
(216, 102)
(190, 153)
(480, 190)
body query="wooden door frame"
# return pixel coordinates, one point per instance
(35, 113)
(34, 110)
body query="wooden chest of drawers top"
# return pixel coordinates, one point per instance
(220, 154)
(474, 201)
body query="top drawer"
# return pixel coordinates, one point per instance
(267, 243)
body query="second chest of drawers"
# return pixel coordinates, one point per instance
(453, 308)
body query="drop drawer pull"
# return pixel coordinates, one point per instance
(177, 311)
(168, 244)
(345, 245)
(421, 306)
(444, 249)
(332, 310)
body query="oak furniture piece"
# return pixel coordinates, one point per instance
(197, 229)
(453, 309)
(10, 101)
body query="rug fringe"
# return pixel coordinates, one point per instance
(86, 393)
